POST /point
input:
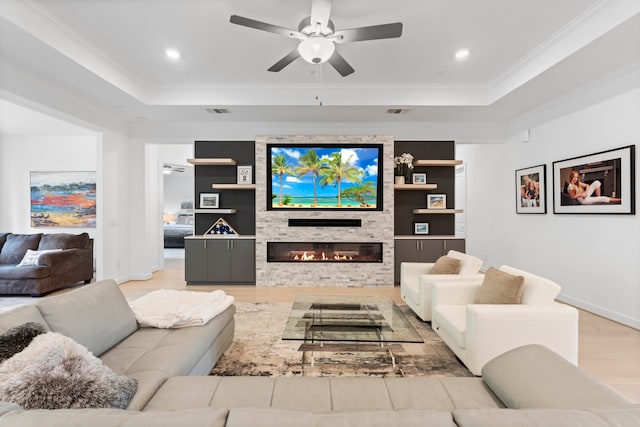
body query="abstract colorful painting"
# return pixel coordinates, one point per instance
(63, 199)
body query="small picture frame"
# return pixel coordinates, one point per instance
(436, 201)
(245, 175)
(419, 178)
(209, 200)
(420, 228)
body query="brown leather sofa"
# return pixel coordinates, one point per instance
(73, 262)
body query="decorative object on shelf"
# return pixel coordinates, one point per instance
(419, 178)
(599, 183)
(398, 179)
(63, 199)
(436, 201)
(421, 228)
(404, 166)
(209, 200)
(531, 190)
(245, 175)
(221, 227)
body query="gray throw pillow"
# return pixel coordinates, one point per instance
(55, 372)
(499, 287)
(17, 339)
(446, 265)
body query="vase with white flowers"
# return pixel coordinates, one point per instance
(404, 165)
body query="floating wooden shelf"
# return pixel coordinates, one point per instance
(415, 186)
(216, 211)
(234, 186)
(437, 211)
(437, 162)
(212, 162)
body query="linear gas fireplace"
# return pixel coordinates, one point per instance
(323, 252)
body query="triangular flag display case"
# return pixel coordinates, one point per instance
(220, 227)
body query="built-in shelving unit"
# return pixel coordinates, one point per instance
(415, 187)
(212, 162)
(234, 186)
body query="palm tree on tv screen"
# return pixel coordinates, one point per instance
(309, 162)
(337, 171)
(280, 167)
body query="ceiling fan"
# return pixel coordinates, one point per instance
(318, 36)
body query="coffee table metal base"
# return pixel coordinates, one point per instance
(348, 347)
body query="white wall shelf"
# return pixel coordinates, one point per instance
(437, 162)
(212, 162)
(415, 186)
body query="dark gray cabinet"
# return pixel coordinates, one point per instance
(423, 250)
(220, 261)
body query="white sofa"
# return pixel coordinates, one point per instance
(476, 333)
(415, 281)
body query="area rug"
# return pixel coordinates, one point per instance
(258, 350)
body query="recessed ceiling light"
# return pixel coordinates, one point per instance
(462, 53)
(172, 54)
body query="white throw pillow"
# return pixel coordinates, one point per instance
(33, 257)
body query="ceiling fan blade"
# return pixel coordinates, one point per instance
(288, 59)
(320, 11)
(339, 63)
(259, 25)
(374, 32)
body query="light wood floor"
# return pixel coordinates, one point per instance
(608, 350)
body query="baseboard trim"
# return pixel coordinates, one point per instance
(600, 311)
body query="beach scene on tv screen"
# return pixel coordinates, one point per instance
(324, 177)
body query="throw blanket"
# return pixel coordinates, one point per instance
(169, 308)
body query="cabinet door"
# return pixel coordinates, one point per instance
(431, 250)
(219, 260)
(243, 261)
(454, 244)
(195, 260)
(405, 251)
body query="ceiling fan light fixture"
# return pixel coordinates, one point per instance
(316, 50)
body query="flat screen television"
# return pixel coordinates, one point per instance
(324, 177)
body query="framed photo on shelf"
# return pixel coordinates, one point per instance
(436, 201)
(209, 200)
(419, 178)
(531, 190)
(420, 228)
(599, 183)
(245, 175)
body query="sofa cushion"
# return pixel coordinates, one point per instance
(70, 374)
(207, 417)
(16, 246)
(17, 339)
(106, 316)
(253, 417)
(546, 417)
(469, 264)
(3, 238)
(63, 241)
(33, 257)
(445, 265)
(11, 272)
(453, 319)
(552, 381)
(18, 316)
(537, 290)
(499, 287)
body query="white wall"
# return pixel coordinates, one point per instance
(593, 257)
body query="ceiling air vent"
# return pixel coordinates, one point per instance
(217, 111)
(397, 110)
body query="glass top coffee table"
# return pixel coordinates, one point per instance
(364, 323)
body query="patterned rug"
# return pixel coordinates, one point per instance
(258, 350)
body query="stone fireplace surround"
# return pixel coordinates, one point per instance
(273, 226)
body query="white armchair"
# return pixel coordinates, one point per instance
(477, 333)
(415, 281)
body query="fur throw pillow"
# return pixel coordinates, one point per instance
(55, 372)
(17, 339)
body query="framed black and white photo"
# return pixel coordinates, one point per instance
(531, 193)
(245, 175)
(419, 178)
(209, 200)
(436, 201)
(599, 183)
(421, 228)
